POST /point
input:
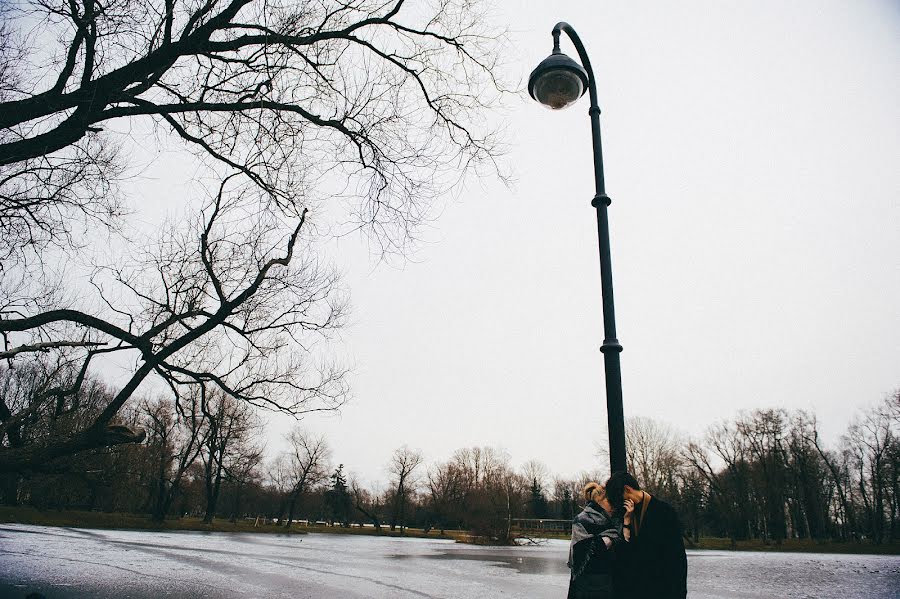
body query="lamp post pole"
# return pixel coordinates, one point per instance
(611, 347)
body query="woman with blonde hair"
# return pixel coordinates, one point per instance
(594, 537)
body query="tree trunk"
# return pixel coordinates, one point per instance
(164, 501)
(838, 483)
(395, 511)
(9, 489)
(159, 502)
(213, 486)
(236, 505)
(292, 504)
(375, 521)
(282, 505)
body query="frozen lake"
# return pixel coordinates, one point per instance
(66, 563)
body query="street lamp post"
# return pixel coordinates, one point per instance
(558, 82)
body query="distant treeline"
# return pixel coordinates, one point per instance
(764, 475)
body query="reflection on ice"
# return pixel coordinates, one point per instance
(530, 563)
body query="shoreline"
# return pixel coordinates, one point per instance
(117, 521)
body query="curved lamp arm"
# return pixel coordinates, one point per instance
(593, 111)
(582, 54)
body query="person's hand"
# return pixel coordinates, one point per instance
(629, 511)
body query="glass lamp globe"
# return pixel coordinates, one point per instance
(557, 82)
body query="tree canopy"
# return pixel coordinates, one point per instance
(300, 111)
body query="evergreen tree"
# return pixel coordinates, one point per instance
(568, 505)
(337, 498)
(538, 501)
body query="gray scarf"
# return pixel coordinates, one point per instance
(592, 523)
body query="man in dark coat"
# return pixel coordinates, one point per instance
(652, 563)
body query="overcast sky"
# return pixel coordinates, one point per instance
(751, 152)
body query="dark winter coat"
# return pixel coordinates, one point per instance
(653, 565)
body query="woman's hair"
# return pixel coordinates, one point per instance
(593, 492)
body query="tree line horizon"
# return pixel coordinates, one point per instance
(764, 474)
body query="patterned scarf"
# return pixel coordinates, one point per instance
(591, 523)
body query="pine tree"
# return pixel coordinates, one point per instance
(337, 498)
(538, 501)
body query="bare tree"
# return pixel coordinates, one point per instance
(492, 494)
(837, 470)
(280, 480)
(654, 454)
(566, 493)
(175, 437)
(891, 409)
(402, 467)
(367, 503)
(537, 471)
(359, 113)
(308, 466)
(46, 397)
(243, 474)
(232, 312)
(481, 463)
(730, 487)
(279, 91)
(229, 449)
(871, 437)
(763, 432)
(536, 474)
(447, 493)
(506, 493)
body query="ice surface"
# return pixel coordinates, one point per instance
(68, 562)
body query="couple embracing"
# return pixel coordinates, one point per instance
(626, 544)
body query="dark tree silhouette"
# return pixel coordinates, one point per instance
(306, 467)
(229, 449)
(360, 112)
(403, 468)
(337, 498)
(281, 91)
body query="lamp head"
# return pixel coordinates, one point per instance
(558, 81)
